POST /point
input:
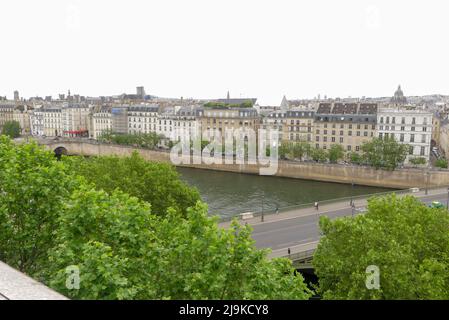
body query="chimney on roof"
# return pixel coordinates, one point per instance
(228, 96)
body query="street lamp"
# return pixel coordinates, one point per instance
(352, 209)
(352, 192)
(427, 182)
(263, 196)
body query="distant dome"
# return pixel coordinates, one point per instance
(399, 98)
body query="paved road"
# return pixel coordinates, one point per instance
(300, 231)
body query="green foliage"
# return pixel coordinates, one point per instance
(335, 153)
(407, 240)
(11, 129)
(129, 254)
(355, 158)
(33, 188)
(294, 150)
(50, 220)
(384, 153)
(141, 140)
(318, 155)
(153, 182)
(418, 161)
(441, 163)
(222, 105)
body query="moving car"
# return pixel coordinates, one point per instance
(436, 204)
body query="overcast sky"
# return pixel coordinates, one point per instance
(203, 48)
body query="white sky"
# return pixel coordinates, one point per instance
(202, 48)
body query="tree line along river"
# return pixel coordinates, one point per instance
(229, 194)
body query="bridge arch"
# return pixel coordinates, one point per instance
(60, 151)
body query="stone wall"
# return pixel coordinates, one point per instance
(402, 179)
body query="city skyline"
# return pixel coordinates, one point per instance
(198, 49)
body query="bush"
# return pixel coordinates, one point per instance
(441, 163)
(418, 161)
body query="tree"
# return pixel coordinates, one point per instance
(318, 155)
(11, 129)
(355, 158)
(418, 161)
(336, 152)
(50, 220)
(141, 140)
(300, 150)
(384, 153)
(33, 189)
(441, 163)
(124, 252)
(156, 183)
(405, 239)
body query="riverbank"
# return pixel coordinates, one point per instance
(360, 175)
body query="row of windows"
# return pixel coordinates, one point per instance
(358, 133)
(393, 128)
(412, 137)
(350, 126)
(403, 120)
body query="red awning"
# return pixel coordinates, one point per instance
(76, 131)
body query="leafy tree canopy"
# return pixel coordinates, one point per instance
(407, 240)
(11, 129)
(153, 182)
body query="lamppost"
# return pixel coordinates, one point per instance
(352, 192)
(263, 196)
(427, 181)
(352, 209)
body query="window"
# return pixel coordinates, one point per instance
(381, 119)
(423, 151)
(423, 138)
(412, 138)
(341, 132)
(403, 120)
(365, 134)
(333, 139)
(401, 137)
(413, 120)
(402, 128)
(357, 148)
(325, 139)
(381, 135)
(349, 133)
(358, 133)
(413, 128)
(333, 132)
(341, 140)
(349, 148)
